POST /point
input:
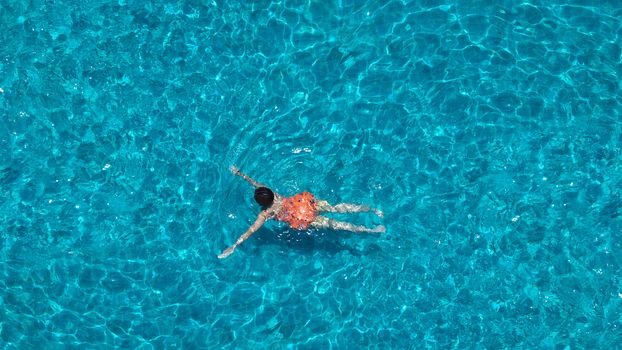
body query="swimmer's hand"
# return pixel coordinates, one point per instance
(261, 218)
(227, 252)
(234, 170)
(379, 229)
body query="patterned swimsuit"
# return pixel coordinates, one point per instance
(298, 211)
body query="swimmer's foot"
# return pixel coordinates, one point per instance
(379, 213)
(379, 229)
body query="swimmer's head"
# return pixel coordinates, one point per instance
(264, 196)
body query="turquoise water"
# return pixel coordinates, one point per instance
(490, 135)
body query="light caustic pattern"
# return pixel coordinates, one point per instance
(488, 135)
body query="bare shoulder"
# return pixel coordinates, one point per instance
(268, 213)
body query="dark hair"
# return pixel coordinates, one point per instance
(264, 196)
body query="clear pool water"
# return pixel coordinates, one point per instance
(490, 135)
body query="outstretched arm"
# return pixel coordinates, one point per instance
(237, 171)
(263, 216)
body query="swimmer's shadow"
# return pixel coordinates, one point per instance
(308, 242)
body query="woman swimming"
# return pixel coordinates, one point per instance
(300, 212)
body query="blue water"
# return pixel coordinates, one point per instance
(490, 135)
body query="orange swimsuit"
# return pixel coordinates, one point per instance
(298, 211)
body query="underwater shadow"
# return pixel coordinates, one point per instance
(307, 242)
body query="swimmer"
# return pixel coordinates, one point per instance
(300, 212)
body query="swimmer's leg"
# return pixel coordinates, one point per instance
(324, 222)
(324, 206)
